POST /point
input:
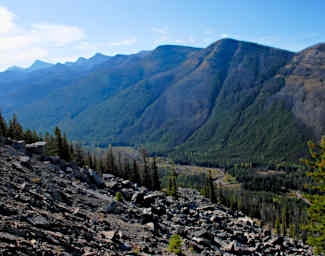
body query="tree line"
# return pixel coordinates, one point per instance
(144, 172)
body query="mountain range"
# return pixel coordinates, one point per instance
(233, 100)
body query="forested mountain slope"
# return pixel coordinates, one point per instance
(232, 100)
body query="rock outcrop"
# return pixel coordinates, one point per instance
(49, 207)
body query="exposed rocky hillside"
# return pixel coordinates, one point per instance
(304, 90)
(50, 207)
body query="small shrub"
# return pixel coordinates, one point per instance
(36, 180)
(175, 244)
(119, 197)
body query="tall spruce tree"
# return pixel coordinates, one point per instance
(172, 184)
(316, 211)
(58, 140)
(147, 182)
(3, 126)
(135, 177)
(15, 130)
(155, 176)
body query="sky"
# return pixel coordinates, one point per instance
(63, 30)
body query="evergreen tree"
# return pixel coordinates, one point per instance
(28, 137)
(147, 182)
(110, 166)
(79, 155)
(316, 211)
(127, 172)
(135, 173)
(64, 151)
(89, 160)
(277, 225)
(15, 130)
(211, 189)
(35, 137)
(155, 176)
(3, 126)
(58, 140)
(172, 185)
(284, 221)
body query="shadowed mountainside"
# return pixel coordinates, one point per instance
(231, 100)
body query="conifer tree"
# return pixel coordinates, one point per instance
(15, 130)
(155, 176)
(277, 225)
(58, 140)
(89, 160)
(3, 126)
(172, 185)
(211, 189)
(79, 158)
(127, 173)
(28, 137)
(64, 151)
(135, 173)
(147, 182)
(110, 166)
(316, 211)
(35, 137)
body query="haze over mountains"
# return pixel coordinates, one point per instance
(230, 100)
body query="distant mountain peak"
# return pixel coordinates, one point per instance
(39, 64)
(81, 60)
(98, 54)
(15, 69)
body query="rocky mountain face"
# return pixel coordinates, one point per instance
(50, 207)
(304, 90)
(231, 100)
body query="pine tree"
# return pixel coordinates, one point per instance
(147, 182)
(155, 176)
(3, 126)
(89, 160)
(284, 220)
(135, 173)
(277, 225)
(35, 137)
(316, 211)
(79, 155)
(211, 189)
(58, 140)
(64, 151)
(110, 166)
(28, 137)
(172, 185)
(127, 169)
(15, 130)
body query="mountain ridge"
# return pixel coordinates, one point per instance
(231, 100)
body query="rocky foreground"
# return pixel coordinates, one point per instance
(50, 207)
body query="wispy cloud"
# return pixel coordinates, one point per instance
(160, 30)
(125, 42)
(224, 35)
(6, 20)
(22, 45)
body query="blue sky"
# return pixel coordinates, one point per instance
(58, 31)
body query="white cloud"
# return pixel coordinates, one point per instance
(64, 59)
(23, 57)
(59, 35)
(124, 42)
(22, 45)
(6, 20)
(160, 30)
